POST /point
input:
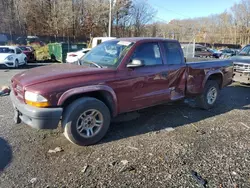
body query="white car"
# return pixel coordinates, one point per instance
(11, 57)
(74, 57)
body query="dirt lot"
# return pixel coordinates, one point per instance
(159, 149)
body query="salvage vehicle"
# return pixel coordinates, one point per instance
(117, 76)
(202, 51)
(11, 57)
(74, 57)
(216, 53)
(30, 52)
(242, 66)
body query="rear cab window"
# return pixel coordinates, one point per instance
(173, 53)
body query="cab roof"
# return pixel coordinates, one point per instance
(137, 39)
(11, 47)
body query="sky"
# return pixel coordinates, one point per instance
(181, 9)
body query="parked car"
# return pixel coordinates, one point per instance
(3, 39)
(30, 52)
(98, 40)
(242, 66)
(34, 40)
(11, 56)
(74, 57)
(215, 53)
(31, 40)
(143, 72)
(21, 41)
(226, 53)
(201, 51)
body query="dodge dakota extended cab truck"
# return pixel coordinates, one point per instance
(115, 77)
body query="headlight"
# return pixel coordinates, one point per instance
(35, 99)
(9, 58)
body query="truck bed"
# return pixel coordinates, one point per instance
(198, 72)
(198, 59)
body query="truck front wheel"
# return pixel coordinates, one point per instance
(86, 121)
(209, 96)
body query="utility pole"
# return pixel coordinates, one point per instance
(110, 15)
(73, 18)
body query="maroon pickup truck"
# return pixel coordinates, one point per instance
(117, 76)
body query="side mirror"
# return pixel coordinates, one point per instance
(135, 63)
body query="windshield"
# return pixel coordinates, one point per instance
(24, 48)
(245, 51)
(7, 50)
(107, 54)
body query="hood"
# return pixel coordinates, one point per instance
(55, 72)
(27, 52)
(240, 59)
(4, 55)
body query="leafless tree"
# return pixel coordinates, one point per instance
(141, 14)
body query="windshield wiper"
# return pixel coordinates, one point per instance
(89, 62)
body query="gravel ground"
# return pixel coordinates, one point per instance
(159, 149)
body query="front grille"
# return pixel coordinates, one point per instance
(17, 89)
(241, 67)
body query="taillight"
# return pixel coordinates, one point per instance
(72, 55)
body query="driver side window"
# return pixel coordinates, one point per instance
(149, 53)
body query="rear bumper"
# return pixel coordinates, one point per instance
(242, 77)
(39, 118)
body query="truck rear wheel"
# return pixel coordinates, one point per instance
(86, 121)
(210, 95)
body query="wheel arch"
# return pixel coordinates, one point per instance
(216, 76)
(102, 93)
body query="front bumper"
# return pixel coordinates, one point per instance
(242, 77)
(39, 118)
(7, 64)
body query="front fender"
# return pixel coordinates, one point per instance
(86, 89)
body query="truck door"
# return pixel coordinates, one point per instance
(147, 84)
(176, 69)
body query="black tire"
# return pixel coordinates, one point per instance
(74, 111)
(202, 100)
(53, 58)
(25, 61)
(16, 63)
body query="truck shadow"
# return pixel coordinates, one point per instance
(171, 116)
(5, 154)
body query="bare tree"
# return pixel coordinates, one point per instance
(141, 14)
(86, 18)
